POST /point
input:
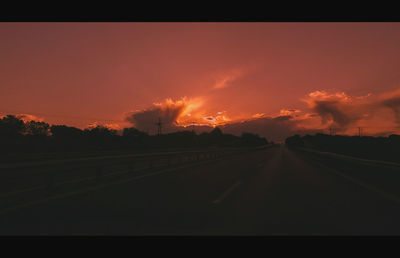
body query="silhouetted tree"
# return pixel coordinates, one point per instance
(250, 139)
(294, 140)
(135, 138)
(11, 126)
(133, 132)
(67, 138)
(101, 137)
(380, 148)
(37, 128)
(99, 131)
(216, 132)
(17, 135)
(63, 132)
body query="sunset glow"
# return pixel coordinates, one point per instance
(199, 128)
(305, 77)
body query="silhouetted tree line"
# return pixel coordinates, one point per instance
(19, 136)
(379, 148)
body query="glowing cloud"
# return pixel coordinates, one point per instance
(289, 112)
(170, 112)
(391, 100)
(28, 117)
(224, 79)
(258, 115)
(220, 119)
(108, 126)
(334, 109)
(324, 109)
(347, 113)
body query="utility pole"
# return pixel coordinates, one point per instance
(330, 131)
(359, 131)
(193, 127)
(195, 142)
(159, 126)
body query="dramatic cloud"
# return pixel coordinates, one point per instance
(289, 112)
(176, 115)
(258, 115)
(275, 128)
(391, 100)
(224, 80)
(334, 109)
(109, 126)
(376, 115)
(219, 119)
(169, 113)
(26, 117)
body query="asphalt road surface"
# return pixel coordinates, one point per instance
(275, 191)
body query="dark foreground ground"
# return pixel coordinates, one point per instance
(276, 191)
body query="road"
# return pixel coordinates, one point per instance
(276, 191)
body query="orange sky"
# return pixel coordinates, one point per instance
(214, 73)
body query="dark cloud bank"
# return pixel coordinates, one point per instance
(328, 110)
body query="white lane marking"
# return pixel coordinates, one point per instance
(136, 155)
(8, 194)
(226, 193)
(369, 161)
(372, 188)
(103, 186)
(110, 184)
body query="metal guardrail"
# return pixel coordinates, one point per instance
(48, 174)
(113, 157)
(346, 157)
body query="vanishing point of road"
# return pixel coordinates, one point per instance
(276, 191)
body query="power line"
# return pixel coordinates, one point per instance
(159, 127)
(193, 123)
